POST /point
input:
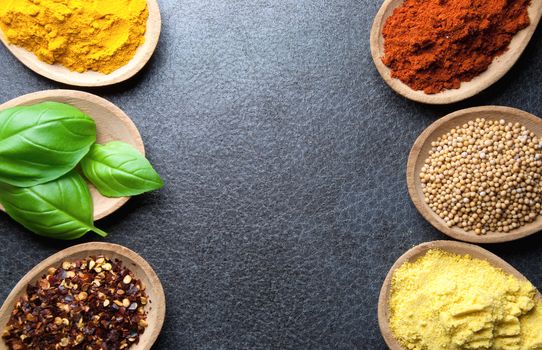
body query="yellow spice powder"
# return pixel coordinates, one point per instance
(448, 301)
(98, 35)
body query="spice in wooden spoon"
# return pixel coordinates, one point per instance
(482, 78)
(450, 295)
(141, 273)
(92, 35)
(462, 179)
(91, 303)
(98, 43)
(435, 45)
(484, 176)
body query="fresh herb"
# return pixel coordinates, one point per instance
(117, 170)
(42, 142)
(40, 146)
(60, 209)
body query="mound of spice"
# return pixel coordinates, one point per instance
(484, 176)
(89, 304)
(450, 301)
(433, 45)
(98, 35)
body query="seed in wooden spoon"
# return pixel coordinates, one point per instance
(449, 301)
(484, 176)
(73, 309)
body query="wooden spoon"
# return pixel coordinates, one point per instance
(62, 74)
(500, 66)
(416, 253)
(156, 308)
(420, 152)
(112, 124)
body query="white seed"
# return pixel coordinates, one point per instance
(485, 176)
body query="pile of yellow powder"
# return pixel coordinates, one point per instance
(98, 35)
(445, 301)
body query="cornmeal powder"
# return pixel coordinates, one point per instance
(447, 301)
(98, 35)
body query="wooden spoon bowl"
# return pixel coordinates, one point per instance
(156, 308)
(112, 124)
(62, 74)
(416, 253)
(500, 66)
(420, 152)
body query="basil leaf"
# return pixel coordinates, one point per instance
(42, 142)
(60, 209)
(118, 170)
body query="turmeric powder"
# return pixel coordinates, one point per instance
(445, 301)
(98, 35)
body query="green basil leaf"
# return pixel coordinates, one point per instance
(60, 209)
(42, 142)
(118, 170)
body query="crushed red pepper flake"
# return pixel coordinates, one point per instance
(89, 304)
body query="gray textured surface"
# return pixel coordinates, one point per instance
(284, 155)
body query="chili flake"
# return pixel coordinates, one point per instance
(90, 304)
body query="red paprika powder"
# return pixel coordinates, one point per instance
(433, 45)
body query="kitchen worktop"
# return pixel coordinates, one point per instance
(284, 155)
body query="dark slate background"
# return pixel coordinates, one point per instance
(284, 156)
